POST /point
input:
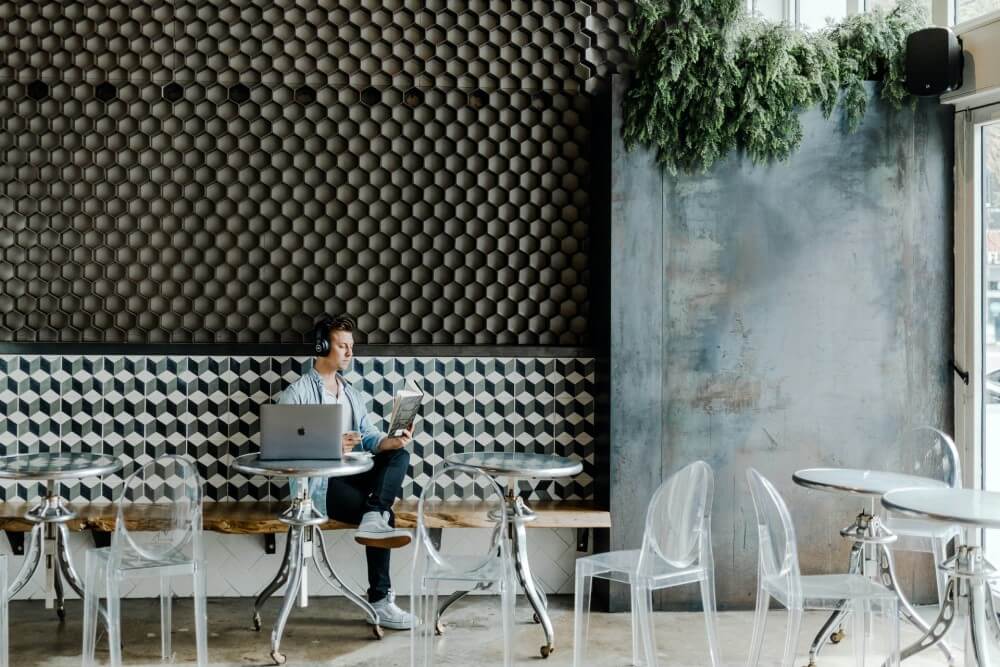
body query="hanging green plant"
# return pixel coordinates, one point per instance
(708, 79)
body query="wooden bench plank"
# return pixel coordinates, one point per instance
(251, 518)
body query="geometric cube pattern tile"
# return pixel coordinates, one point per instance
(225, 171)
(141, 408)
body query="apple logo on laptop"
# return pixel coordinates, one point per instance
(301, 431)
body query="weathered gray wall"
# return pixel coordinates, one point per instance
(782, 316)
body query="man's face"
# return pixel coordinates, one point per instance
(341, 349)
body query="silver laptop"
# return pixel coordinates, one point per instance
(301, 432)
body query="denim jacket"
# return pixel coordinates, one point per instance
(308, 390)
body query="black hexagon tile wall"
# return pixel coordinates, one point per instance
(224, 171)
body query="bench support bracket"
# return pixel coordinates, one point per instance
(582, 539)
(435, 535)
(102, 538)
(16, 539)
(270, 543)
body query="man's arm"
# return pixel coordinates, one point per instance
(371, 437)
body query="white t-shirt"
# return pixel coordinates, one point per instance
(348, 415)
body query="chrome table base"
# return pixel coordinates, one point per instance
(871, 557)
(305, 543)
(518, 514)
(968, 594)
(49, 538)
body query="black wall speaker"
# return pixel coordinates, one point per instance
(933, 61)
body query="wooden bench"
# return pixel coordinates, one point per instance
(261, 518)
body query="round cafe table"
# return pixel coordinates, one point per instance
(870, 539)
(305, 538)
(968, 572)
(49, 535)
(514, 466)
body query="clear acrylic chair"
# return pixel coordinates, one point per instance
(175, 549)
(676, 550)
(874, 619)
(435, 572)
(931, 453)
(4, 617)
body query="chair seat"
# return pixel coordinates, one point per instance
(827, 591)
(622, 566)
(466, 568)
(132, 562)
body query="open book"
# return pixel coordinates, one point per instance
(405, 406)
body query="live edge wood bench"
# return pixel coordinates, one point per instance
(261, 518)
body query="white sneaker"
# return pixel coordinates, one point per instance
(391, 616)
(375, 531)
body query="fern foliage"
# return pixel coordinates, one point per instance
(709, 79)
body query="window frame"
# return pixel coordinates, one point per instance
(943, 12)
(969, 290)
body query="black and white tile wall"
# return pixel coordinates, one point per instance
(140, 408)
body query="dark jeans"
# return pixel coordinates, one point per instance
(347, 498)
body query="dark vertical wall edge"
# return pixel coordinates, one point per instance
(599, 252)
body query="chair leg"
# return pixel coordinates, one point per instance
(201, 612)
(508, 598)
(940, 549)
(114, 618)
(581, 616)
(166, 609)
(642, 607)
(711, 620)
(792, 635)
(859, 619)
(759, 625)
(91, 602)
(422, 651)
(4, 615)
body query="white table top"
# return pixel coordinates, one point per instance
(970, 507)
(519, 465)
(862, 482)
(353, 463)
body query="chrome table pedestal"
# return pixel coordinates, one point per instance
(515, 466)
(871, 557)
(49, 537)
(305, 541)
(870, 542)
(968, 592)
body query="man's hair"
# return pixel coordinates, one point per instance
(341, 323)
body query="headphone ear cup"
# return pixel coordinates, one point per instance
(321, 339)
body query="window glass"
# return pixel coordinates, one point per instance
(966, 10)
(814, 14)
(889, 4)
(772, 10)
(989, 203)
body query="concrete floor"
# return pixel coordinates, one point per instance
(330, 632)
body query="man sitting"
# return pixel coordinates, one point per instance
(367, 498)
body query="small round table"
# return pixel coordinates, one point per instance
(49, 535)
(968, 572)
(515, 466)
(870, 539)
(304, 521)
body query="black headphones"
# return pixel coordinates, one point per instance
(321, 337)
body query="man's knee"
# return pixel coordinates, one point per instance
(400, 457)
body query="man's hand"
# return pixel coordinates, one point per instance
(397, 442)
(350, 440)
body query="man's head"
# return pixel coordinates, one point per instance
(339, 331)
